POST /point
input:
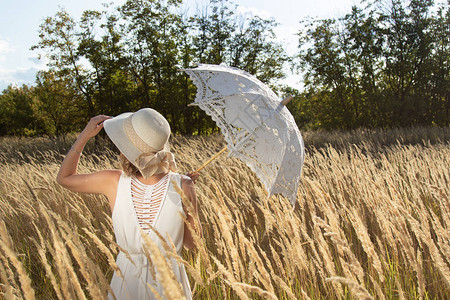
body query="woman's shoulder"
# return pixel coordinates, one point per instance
(108, 181)
(182, 180)
(177, 175)
(112, 175)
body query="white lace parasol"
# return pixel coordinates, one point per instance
(258, 128)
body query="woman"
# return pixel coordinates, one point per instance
(141, 196)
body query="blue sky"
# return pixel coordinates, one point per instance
(20, 20)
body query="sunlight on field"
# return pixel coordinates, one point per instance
(371, 222)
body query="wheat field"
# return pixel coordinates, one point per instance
(371, 222)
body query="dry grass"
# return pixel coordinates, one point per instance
(371, 222)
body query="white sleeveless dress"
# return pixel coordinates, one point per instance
(167, 221)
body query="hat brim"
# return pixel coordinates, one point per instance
(114, 128)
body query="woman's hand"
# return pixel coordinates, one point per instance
(94, 126)
(193, 175)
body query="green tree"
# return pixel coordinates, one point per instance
(213, 27)
(254, 48)
(406, 52)
(438, 108)
(58, 38)
(153, 40)
(58, 103)
(325, 74)
(221, 36)
(128, 58)
(190, 119)
(101, 44)
(18, 112)
(377, 66)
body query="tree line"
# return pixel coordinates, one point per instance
(384, 64)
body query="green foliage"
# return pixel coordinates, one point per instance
(58, 104)
(18, 112)
(126, 58)
(385, 65)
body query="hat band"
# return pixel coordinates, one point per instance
(139, 143)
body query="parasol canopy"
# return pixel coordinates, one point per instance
(258, 128)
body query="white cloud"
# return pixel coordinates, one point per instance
(287, 36)
(17, 70)
(293, 80)
(17, 77)
(5, 47)
(39, 58)
(253, 11)
(39, 62)
(3, 73)
(34, 59)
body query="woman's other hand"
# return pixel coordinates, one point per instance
(193, 175)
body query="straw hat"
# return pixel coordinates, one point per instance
(143, 138)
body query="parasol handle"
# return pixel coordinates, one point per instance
(287, 100)
(211, 159)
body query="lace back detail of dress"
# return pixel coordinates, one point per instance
(147, 200)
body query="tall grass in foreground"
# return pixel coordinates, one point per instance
(371, 222)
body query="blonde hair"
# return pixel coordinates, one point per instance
(127, 167)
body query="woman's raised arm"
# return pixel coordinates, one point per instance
(101, 182)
